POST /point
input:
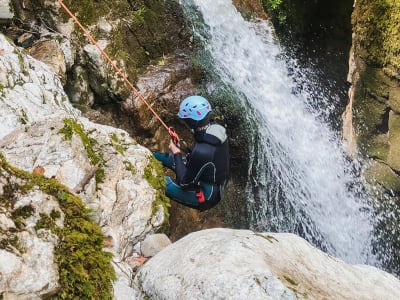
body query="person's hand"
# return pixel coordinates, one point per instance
(174, 148)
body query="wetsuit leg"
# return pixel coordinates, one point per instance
(188, 198)
(212, 195)
(175, 192)
(166, 158)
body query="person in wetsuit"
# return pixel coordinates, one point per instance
(201, 179)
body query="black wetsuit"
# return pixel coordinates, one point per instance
(207, 169)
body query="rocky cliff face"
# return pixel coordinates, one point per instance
(372, 117)
(375, 91)
(81, 164)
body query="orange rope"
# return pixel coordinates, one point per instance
(170, 130)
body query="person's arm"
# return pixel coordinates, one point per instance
(186, 174)
(180, 168)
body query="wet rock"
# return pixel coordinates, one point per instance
(163, 87)
(394, 141)
(380, 173)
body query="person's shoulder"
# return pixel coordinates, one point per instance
(218, 131)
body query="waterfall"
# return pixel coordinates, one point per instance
(300, 180)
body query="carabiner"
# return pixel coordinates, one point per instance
(174, 136)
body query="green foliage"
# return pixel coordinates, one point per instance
(139, 15)
(20, 214)
(275, 4)
(277, 9)
(85, 270)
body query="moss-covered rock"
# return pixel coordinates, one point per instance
(84, 269)
(376, 27)
(394, 141)
(376, 44)
(380, 173)
(394, 99)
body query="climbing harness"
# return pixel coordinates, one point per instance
(174, 136)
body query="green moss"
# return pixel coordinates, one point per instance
(100, 175)
(376, 26)
(114, 137)
(45, 222)
(55, 214)
(11, 243)
(154, 175)
(85, 270)
(130, 167)
(290, 280)
(85, 10)
(139, 15)
(371, 111)
(269, 238)
(71, 126)
(20, 214)
(120, 149)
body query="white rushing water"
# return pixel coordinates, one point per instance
(300, 178)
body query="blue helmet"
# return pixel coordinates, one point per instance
(194, 107)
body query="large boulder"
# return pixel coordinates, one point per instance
(241, 264)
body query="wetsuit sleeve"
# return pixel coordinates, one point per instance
(180, 168)
(187, 175)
